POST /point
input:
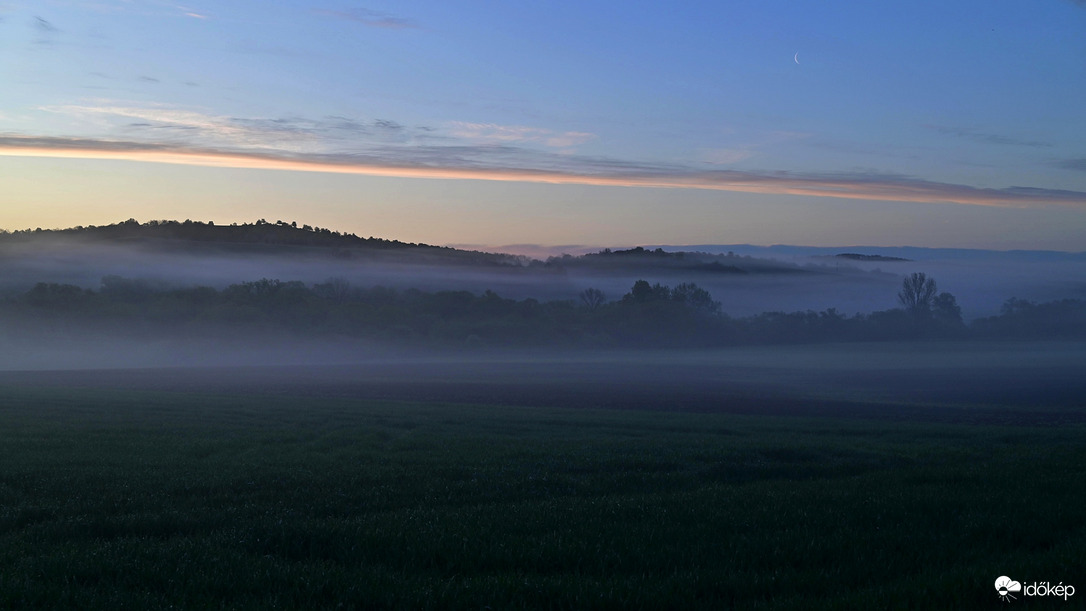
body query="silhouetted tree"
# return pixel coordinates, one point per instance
(1021, 318)
(334, 289)
(946, 310)
(592, 298)
(695, 297)
(917, 293)
(643, 292)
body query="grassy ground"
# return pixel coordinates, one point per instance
(150, 499)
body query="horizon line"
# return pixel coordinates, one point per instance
(554, 249)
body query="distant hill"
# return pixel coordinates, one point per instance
(260, 237)
(859, 257)
(259, 232)
(194, 253)
(289, 239)
(659, 259)
(912, 253)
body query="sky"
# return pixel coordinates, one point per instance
(602, 123)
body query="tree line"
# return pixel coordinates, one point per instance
(649, 315)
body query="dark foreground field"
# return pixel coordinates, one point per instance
(858, 477)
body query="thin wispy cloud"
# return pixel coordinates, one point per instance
(1078, 164)
(189, 12)
(197, 129)
(44, 25)
(45, 32)
(568, 139)
(495, 134)
(373, 19)
(986, 138)
(747, 145)
(333, 134)
(144, 8)
(213, 129)
(459, 150)
(582, 171)
(725, 156)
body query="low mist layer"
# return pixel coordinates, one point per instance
(745, 280)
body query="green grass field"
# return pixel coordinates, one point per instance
(143, 499)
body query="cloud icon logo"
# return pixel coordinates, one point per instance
(1005, 585)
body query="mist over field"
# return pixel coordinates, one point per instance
(746, 280)
(972, 381)
(982, 280)
(245, 404)
(85, 262)
(172, 293)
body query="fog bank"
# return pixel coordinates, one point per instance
(803, 279)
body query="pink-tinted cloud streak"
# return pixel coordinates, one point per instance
(848, 186)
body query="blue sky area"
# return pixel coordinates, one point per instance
(952, 124)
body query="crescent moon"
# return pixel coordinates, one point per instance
(796, 58)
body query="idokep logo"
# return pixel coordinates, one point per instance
(1006, 587)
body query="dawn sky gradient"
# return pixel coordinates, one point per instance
(953, 124)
